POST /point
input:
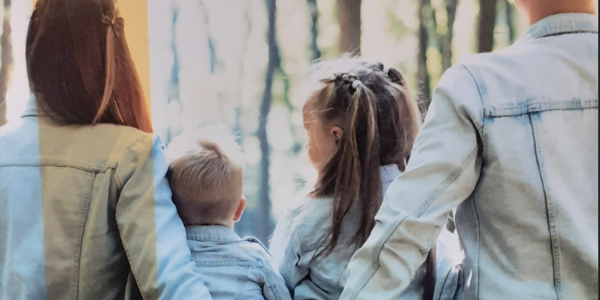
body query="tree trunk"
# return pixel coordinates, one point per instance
(451, 6)
(7, 60)
(263, 224)
(350, 23)
(510, 21)
(315, 53)
(487, 23)
(423, 74)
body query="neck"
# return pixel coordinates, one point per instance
(228, 224)
(560, 7)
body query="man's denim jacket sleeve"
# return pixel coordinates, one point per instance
(442, 172)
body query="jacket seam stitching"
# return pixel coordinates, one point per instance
(117, 179)
(269, 281)
(127, 253)
(56, 163)
(116, 163)
(480, 95)
(81, 230)
(377, 264)
(221, 263)
(451, 178)
(533, 105)
(478, 249)
(551, 213)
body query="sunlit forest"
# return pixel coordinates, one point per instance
(241, 62)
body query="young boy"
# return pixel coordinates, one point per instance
(206, 177)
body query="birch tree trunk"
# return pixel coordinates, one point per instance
(6, 58)
(487, 24)
(350, 25)
(451, 6)
(263, 224)
(510, 21)
(315, 53)
(424, 93)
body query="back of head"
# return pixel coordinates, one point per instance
(380, 122)
(79, 65)
(206, 175)
(398, 116)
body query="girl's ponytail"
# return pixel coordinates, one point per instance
(353, 172)
(372, 105)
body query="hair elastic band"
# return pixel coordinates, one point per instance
(356, 84)
(116, 23)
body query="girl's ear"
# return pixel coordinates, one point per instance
(337, 133)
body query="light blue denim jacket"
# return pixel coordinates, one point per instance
(86, 213)
(511, 138)
(298, 237)
(232, 267)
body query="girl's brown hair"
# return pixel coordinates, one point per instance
(79, 65)
(380, 122)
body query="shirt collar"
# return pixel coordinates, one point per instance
(214, 233)
(562, 24)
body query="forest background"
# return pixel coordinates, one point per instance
(241, 62)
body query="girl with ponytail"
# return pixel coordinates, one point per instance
(361, 123)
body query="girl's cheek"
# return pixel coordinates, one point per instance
(310, 151)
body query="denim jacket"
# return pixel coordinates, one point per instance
(234, 268)
(86, 213)
(298, 237)
(511, 140)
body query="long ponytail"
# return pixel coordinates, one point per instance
(351, 177)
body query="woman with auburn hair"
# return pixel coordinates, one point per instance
(85, 209)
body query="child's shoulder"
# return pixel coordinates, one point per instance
(307, 223)
(311, 211)
(256, 250)
(254, 244)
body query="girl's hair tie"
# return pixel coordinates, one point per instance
(116, 23)
(356, 84)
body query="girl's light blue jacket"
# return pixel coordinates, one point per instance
(298, 237)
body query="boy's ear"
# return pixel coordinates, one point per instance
(337, 133)
(239, 210)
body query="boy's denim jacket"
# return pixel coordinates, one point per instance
(511, 140)
(299, 236)
(232, 267)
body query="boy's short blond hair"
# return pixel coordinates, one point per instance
(206, 175)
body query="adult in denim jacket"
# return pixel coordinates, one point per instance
(86, 211)
(511, 138)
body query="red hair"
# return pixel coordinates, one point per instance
(79, 65)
